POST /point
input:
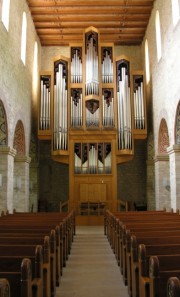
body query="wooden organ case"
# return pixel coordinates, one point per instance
(92, 107)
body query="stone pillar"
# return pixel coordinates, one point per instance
(162, 176)
(174, 161)
(7, 155)
(21, 183)
(150, 192)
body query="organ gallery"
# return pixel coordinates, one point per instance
(92, 107)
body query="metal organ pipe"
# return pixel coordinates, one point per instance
(92, 119)
(45, 106)
(107, 163)
(92, 159)
(139, 107)
(124, 113)
(76, 69)
(108, 112)
(107, 69)
(60, 111)
(92, 77)
(76, 112)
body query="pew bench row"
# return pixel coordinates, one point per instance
(147, 249)
(38, 244)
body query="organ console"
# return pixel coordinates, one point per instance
(92, 107)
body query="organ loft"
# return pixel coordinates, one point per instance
(92, 107)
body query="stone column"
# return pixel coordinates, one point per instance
(174, 161)
(7, 155)
(21, 183)
(162, 189)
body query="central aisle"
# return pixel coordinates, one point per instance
(91, 269)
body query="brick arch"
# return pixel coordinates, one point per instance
(3, 125)
(19, 138)
(163, 141)
(177, 125)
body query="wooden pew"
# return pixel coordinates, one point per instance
(16, 240)
(41, 232)
(135, 242)
(117, 222)
(128, 248)
(52, 240)
(173, 287)
(11, 257)
(4, 288)
(161, 268)
(144, 254)
(66, 224)
(18, 224)
(21, 282)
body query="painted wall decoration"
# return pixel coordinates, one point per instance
(163, 142)
(19, 138)
(177, 130)
(3, 125)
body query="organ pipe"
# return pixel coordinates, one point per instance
(60, 109)
(108, 108)
(76, 65)
(139, 120)
(98, 159)
(76, 107)
(45, 103)
(107, 66)
(91, 60)
(92, 113)
(124, 112)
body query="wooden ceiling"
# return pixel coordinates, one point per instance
(61, 22)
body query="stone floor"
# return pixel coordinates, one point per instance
(91, 269)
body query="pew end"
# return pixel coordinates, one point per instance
(4, 288)
(173, 287)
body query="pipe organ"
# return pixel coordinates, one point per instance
(139, 118)
(123, 106)
(60, 127)
(92, 107)
(45, 103)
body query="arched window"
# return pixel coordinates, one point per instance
(23, 38)
(35, 66)
(175, 11)
(5, 13)
(147, 62)
(158, 36)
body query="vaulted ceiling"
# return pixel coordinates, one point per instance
(61, 22)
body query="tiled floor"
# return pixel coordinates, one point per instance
(91, 269)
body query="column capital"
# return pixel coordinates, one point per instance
(6, 150)
(173, 149)
(161, 157)
(22, 158)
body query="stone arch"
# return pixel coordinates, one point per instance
(163, 139)
(177, 125)
(19, 138)
(3, 125)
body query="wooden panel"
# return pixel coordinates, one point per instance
(84, 193)
(62, 22)
(93, 192)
